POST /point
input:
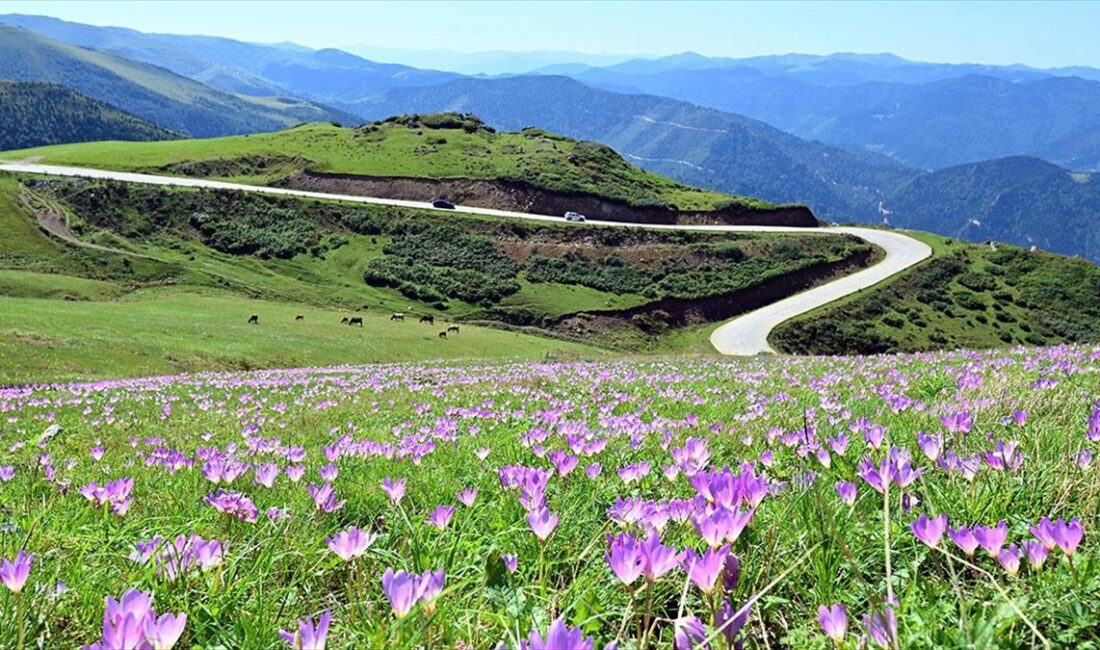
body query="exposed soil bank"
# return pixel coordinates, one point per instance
(522, 197)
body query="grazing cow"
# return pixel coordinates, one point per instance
(299, 317)
(429, 319)
(453, 328)
(356, 320)
(254, 319)
(442, 335)
(398, 316)
(344, 320)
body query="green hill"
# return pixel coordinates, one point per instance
(34, 114)
(966, 295)
(229, 254)
(441, 146)
(150, 92)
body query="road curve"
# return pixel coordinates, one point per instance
(745, 335)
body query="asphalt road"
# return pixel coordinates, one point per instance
(743, 336)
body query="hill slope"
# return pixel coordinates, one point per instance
(152, 93)
(34, 114)
(1024, 201)
(445, 154)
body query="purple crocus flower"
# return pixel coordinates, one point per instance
(351, 543)
(992, 538)
(309, 636)
(542, 523)
(593, 470)
(625, 557)
(467, 496)
(395, 489)
(1044, 532)
(882, 628)
(961, 422)
(265, 474)
(1036, 554)
(431, 584)
(731, 621)
(440, 517)
(558, 637)
(1009, 559)
(165, 631)
(834, 622)
(658, 559)
(1068, 535)
(688, 632)
(324, 498)
(511, 562)
(704, 569)
(14, 572)
(964, 538)
(847, 492)
(402, 589)
(930, 445)
(929, 531)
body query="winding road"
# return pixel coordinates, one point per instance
(744, 335)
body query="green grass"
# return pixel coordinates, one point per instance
(175, 330)
(392, 149)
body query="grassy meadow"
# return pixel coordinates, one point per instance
(941, 500)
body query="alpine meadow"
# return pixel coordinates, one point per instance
(549, 326)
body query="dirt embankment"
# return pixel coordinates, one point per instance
(680, 312)
(522, 197)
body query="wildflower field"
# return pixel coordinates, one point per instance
(942, 500)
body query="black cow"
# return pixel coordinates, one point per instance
(299, 317)
(254, 319)
(429, 319)
(356, 320)
(442, 335)
(453, 328)
(398, 316)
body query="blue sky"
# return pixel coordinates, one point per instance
(1042, 34)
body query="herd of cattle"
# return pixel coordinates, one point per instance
(254, 319)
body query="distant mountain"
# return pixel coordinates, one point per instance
(34, 114)
(846, 68)
(495, 62)
(1024, 201)
(150, 92)
(694, 145)
(236, 66)
(925, 115)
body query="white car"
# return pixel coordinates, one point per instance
(575, 217)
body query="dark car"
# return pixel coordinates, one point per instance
(443, 203)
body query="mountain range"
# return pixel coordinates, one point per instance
(856, 137)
